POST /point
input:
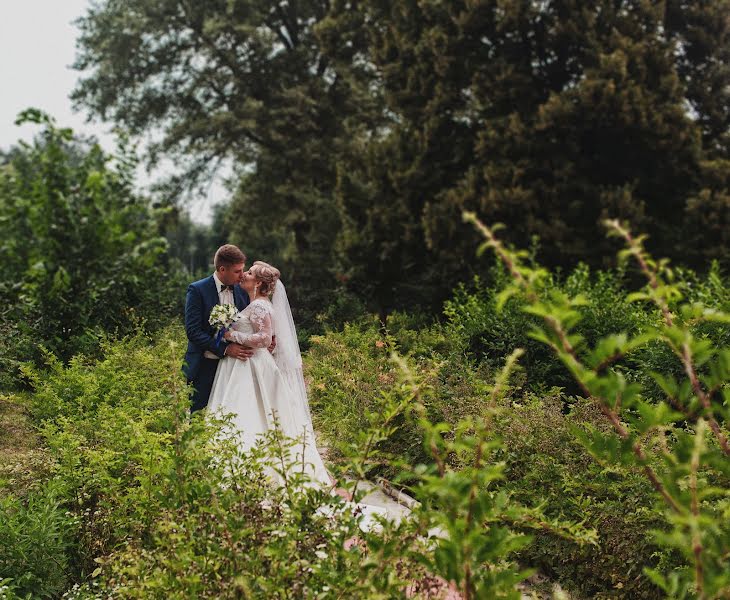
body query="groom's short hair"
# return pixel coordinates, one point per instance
(228, 255)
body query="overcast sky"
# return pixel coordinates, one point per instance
(37, 49)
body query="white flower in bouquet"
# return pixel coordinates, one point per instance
(223, 316)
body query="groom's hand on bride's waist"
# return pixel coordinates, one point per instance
(238, 351)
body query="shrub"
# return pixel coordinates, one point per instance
(109, 424)
(543, 458)
(168, 507)
(489, 333)
(36, 542)
(679, 441)
(349, 371)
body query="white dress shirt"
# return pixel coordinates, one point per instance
(225, 296)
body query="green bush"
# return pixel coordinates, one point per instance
(543, 457)
(489, 334)
(349, 370)
(168, 507)
(110, 424)
(220, 531)
(37, 538)
(677, 440)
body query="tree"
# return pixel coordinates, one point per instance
(594, 124)
(242, 81)
(193, 244)
(81, 255)
(700, 32)
(359, 131)
(548, 116)
(407, 147)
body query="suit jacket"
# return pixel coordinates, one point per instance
(202, 296)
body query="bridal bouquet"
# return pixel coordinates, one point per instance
(222, 317)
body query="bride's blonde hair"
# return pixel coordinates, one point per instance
(266, 275)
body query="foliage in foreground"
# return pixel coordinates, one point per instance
(140, 492)
(679, 442)
(149, 504)
(543, 456)
(36, 542)
(350, 371)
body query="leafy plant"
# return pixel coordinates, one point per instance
(81, 254)
(36, 542)
(680, 442)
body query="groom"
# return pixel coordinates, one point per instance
(203, 354)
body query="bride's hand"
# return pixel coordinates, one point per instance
(227, 336)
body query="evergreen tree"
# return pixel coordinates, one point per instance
(589, 122)
(548, 116)
(359, 131)
(412, 144)
(700, 32)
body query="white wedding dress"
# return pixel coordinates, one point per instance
(258, 395)
(267, 391)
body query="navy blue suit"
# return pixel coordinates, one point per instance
(202, 296)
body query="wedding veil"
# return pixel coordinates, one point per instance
(287, 354)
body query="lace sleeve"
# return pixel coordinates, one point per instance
(260, 317)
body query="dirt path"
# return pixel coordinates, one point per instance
(22, 459)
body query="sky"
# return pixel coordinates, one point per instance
(37, 49)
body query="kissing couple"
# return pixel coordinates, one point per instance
(253, 372)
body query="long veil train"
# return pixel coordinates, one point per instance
(287, 355)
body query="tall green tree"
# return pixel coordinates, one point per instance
(700, 33)
(193, 244)
(548, 116)
(595, 124)
(81, 254)
(241, 80)
(359, 131)
(409, 146)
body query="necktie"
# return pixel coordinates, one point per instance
(225, 287)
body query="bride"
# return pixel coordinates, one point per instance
(267, 390)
